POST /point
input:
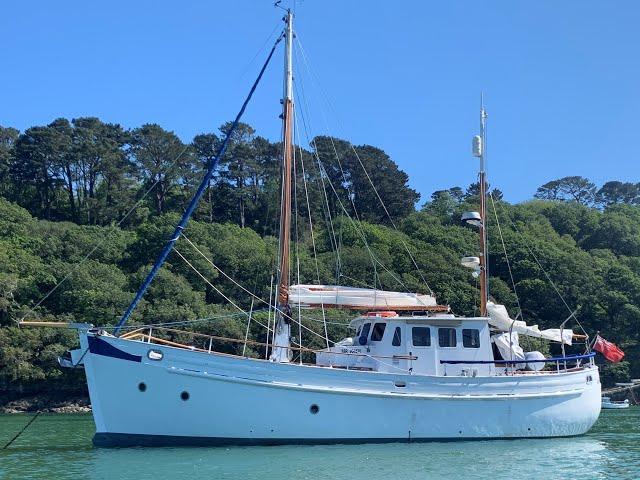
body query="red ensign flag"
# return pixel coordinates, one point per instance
(610, 350)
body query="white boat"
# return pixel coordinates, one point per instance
(412, 371)
(609, 404)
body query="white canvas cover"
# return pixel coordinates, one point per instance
(510, 348)
(307, 296)
(499, 318)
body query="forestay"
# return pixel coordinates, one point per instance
(499, 318)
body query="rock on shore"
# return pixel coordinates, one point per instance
(47, 405)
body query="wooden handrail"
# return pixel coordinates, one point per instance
(145, 336)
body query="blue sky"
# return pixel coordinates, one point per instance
(561, 77)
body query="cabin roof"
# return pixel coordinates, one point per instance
(427, 319)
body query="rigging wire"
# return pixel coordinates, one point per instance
(356, 225)
(313, 241)
(260, 50)
(506, 256)
(105, 238)
(546, 274)
(179, 323)
(326, 207)
(275, 308)
(325, 96)
(297, 243)
(219, 291)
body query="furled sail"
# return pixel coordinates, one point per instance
(499, 318)
(312, 296)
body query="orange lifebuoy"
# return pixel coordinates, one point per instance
(386, 313)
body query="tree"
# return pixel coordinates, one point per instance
(205, 147)
(239, 168)
(354, 171)
(615, 192)
(444, 202)
(39, 168)
(98, 156)
(8, 137)
(575, 188)
(159, 156)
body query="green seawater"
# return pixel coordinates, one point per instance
(59, 447)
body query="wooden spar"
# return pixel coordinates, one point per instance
(287, 162)
(370, 308)
(285, 207)
(35, 323)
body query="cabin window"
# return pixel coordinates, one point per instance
(358, 330)
(364, 334)
(421, 336)
(470, 338)
(397, 337)
(447, 337)
(378, 332)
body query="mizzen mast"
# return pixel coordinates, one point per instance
(479, 151)
(480, 264)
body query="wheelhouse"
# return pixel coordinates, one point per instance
(388, 342)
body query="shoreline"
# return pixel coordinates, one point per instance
(40, 404)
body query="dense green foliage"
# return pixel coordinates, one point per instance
(66, 187)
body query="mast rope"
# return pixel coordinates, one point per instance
(196, 198)
(326, 207)
(546, 274)
(506, 255)
(325, 96)
(356, 226)
(104, 239)
(247, 291)
(295, 220)
(206, 280)
(313, 241)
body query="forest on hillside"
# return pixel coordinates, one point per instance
(92, 203)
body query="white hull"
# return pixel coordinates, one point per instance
(243, 401)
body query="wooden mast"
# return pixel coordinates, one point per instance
(484, 269)
(281, 351)
(287, 162)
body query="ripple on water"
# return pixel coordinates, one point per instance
(59, 446)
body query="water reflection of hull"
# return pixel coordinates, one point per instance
(609, 404)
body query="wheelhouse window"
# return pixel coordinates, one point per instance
(364, 334)
(471, 338)
(447, 337)
(397, 337)
(378, 331)
(421, 336)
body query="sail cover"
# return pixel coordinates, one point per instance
(310, 296)
(499, 318)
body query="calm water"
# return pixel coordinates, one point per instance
(59, 446)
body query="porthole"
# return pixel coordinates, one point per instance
(314, 409)
(142, 387)
(155, 355)
(184, 396)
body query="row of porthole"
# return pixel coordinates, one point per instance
(184, 395)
